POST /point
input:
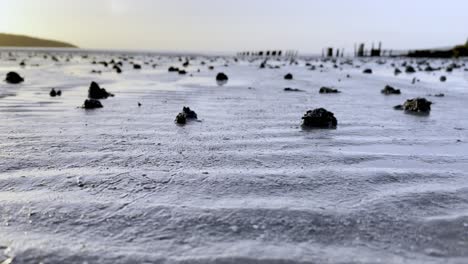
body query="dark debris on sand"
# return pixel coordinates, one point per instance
(388, 90)
(221, 77)
(410, 69)
(96, 92)
(117, 69)
(173, 69)
(319, 118)
(288, 89)
(92, 104)
(181, 119)
(54, 93)
(415, 105)
(328, 90)
(186, 114)
(14, 78)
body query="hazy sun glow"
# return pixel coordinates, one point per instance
(307, 25)
(6, 17)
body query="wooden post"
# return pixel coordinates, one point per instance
(361, 50)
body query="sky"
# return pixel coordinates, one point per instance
(238, 25)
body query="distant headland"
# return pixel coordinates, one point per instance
(455, 52)
(10, 40)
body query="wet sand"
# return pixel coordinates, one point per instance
(125, 184)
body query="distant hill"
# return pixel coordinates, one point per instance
(455, 52)
(9, 40)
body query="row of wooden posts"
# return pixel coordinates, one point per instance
(359, 51)
(269, 53)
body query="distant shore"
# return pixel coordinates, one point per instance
(10, 40)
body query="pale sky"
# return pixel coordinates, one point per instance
(237, 25)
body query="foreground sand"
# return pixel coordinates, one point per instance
(124, 184)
